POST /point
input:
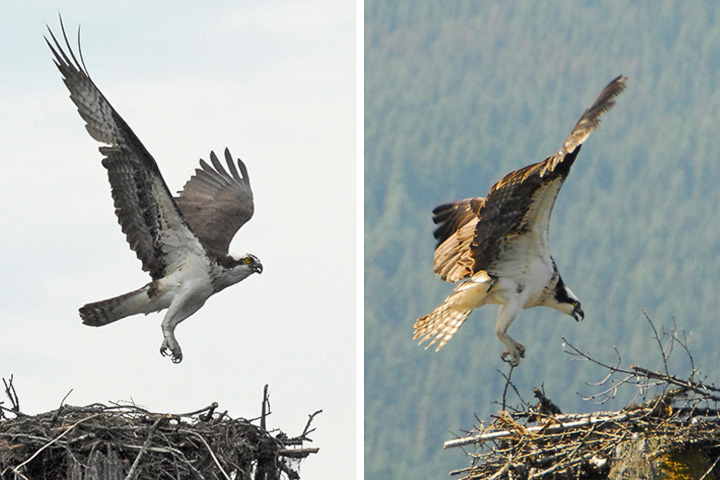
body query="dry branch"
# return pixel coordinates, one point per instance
(560, 426)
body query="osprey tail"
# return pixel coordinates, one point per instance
(107, 311)
(440, 325)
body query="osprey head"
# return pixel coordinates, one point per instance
(231, 269)
(566, 301)
(251, 261)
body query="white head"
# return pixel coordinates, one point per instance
(250, 261)
(565, 301)
(235, 269)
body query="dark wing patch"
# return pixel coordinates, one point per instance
(508, 210)
(143, 204)
(217, 203)
(451, 216)
(520, 202)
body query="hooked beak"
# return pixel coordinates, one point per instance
(578, 314)
(257, 267)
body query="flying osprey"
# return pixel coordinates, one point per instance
(498, 246)
(181, 241)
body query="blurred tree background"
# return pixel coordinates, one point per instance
(459, 93)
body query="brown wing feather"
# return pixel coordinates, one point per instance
(456, 229)
(217, 203)
(479, 235)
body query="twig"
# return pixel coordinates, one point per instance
(210, 407)
(212, 454)
(504, 469)
(12, 394)
(307, 430)
(264, 410)
(659, 342)
(206, 417)
(710, 469)
(694, 386)
(151, 433)
(60, 408)
(507, 384)
(578, 352)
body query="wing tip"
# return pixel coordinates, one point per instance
(65, 60)
(606, 100)
(218, 169)
(591, 118)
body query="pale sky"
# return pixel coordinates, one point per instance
(275, 81)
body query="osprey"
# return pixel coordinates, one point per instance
(181, 241)
(498, 245)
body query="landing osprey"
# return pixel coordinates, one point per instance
(498, 246)
(182, 241)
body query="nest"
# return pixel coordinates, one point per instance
(128, 442)
(555, 446)
(676, 434)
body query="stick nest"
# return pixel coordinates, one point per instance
(586, 446)
(679, 428)
(126, 442)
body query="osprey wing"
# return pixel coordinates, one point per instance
(456, 230)
(217, 203)
(155, 228)
(520, 203)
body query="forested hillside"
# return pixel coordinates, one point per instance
(459, 93)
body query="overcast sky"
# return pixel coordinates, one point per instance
(275, 82)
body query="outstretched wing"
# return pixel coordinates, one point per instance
(472, 236)
(217, 203)
(155, 228)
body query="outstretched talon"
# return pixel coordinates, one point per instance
(175, 353)
(513, 357)
(510, 358)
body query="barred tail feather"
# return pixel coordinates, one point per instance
(113, 309)
(440, 325)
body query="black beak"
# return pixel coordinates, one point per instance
(578, 314)
(258, 267)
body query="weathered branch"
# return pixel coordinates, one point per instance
(582, 420)
(297, 452)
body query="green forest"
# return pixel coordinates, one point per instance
(459, 93)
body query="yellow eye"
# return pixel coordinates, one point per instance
(576, 304)
(248, 260)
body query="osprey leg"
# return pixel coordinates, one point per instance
(178, 311)
(513, 350)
